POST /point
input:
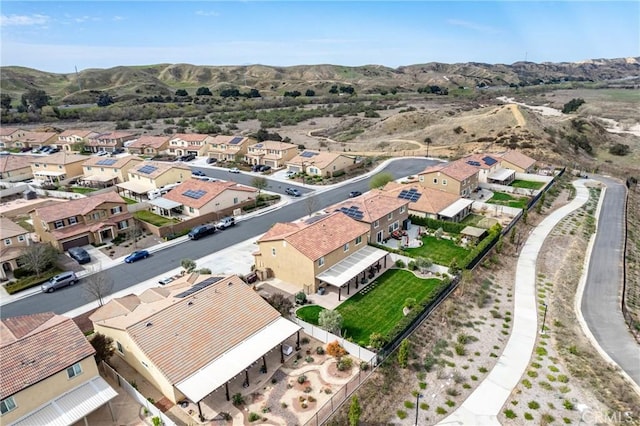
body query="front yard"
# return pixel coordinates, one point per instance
(441, 251)
(154, 219)
(503, 199)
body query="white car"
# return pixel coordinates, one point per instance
(289, 174)
(166, 280)
(234, 170)
(102, 153)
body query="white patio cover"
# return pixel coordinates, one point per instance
(456, 207)
(72, 406)
(97, 178)
(47, 173)
(134, 187)
(501, 174)
(340, 273)
(236, 360)
(163, 203)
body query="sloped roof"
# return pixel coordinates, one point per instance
(119, 161)
(320, 159)
(60, 158)
(281, 146)
(36, 137)
(374, 205)
(431, 201)
(7, 131)
(79, 206)
(75, 132)
(481, 161)
(34, 347)
(15, 162)
(190, 137)
(10, 228)
(150, 141)
(209, 191)
(517, 158)
(161, 167)
(458, 170)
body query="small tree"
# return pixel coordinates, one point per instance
(103, 346)
(188, 265)
(281, 303)
(5, 101)
(203, 91)
(97, 285)
(380, 180)
(423, 264)
(37, 258)
(354, 411)
(330, 320)
(376, 340)
(35, 99)
(335, 350)
(260, 183)
(438, 233)
(104, 99)
(311, 205)
(204, 271)
(403, 353)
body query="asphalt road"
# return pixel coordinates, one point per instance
(601, 303)
(127, 275)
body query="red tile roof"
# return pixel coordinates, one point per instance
(79, 206)
(458, 170)
(189, 137)
(76, 132)
(15, 162)
(211, 191)
(431, 201)
(61, 158)
(517, 158)
(374, 205)
(155, 142)
(119, 161)
(35, 347)
(7, 131)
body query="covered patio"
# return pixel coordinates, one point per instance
(165, 207)
(133, 190)
(48, 176)
(98, 181)
(502, 176)
(357, 269)
(456, 211)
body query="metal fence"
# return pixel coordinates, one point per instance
(122, 382)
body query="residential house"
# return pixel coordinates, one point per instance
(151, 175)
(195, 197)
(323, 250)
(95, 219)
(195, 335)
(489, 168)
(57, 167)
(33, 140)
(271, 153)
(456, 177)
(108, 142)
(228, 148)
(149, 145)
(515, 160)
(189, 143)
(104, 172)
(14, 239)
(430, 203)
(7, 134)
(16, 168)
(382, 212)
(69, 139)
(320, 163)
(49, 375)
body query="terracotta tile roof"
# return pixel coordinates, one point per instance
(189, 137)
(224, 139)
(80, 229)
(112, 135)
(79, 206)
(155, 142)
(282, 146)
(36, 137)
(9, 228)
(15, 162)
(120, 161)
(481, 160)
(431, 201)
(34, 347)
(61, 158)
(458, 170)
(197, 328)
(281, 230)
(212, 190)
(76, 132)
(10, 253)
(161, 168)
(374, 205)
(323, 235)
(320, 159)
(8, 131)
(517, 158)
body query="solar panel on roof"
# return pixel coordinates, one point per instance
(473, 163)
(489, 161)
(147, 169)
(195, 194)
(308, 154)
(107, 162)
(199, 286)
(236, 140)
(258, 145)
(409, 194)
(352, 212)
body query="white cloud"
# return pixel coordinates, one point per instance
(473, 26)
(207, 13)
(119, 18)
(23, 20)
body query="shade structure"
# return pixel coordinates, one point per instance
(340, 273)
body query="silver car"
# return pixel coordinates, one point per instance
(61, 280)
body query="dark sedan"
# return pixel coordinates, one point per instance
(136, 255)
(80, 255)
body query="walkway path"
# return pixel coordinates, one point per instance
(484, 404)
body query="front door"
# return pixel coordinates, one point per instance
(379, 237)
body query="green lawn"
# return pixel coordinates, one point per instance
(129, 200)
(309, 313)
(503, 199)
(441, 251)
(82, 190)
(472, 220)
(154, 219)
(528, 184)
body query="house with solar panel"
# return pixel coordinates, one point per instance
(490, 169)
(149, 145)
(195, 197)
(201, 338)
(49, 375)
(94, 219)
(151, 176)
(430, 203)
(383, 212)
(101, 172)
(328, 251)
(320, 163)
(456, 177)
(271, 153)
(57, 167)
(229, 148)
(189, 143)
(108, 142)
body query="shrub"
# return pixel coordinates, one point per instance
(254, 416)
(429, 362)
(364, 365)
(547, 418)
(309, 359)
(302, 378)
(528, 416)
(460, 350)
(304, 340)
(568, 404)
(400, 264)
(526, 383)
(403, 353)
(422, 385)
(345, 364)
(401, 414)
(533, 405)
(441, 411)
(409, 404)
(237, 399)
(335, 350)
(320, 350)
(563, 378)
(424, 406)
(301, 298)
(619, 149)
(510, 414)
(452, 392)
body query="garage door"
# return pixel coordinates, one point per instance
(83, 241)
(271, 163)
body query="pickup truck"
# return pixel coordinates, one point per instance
(225, 223)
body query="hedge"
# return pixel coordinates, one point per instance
(31, 281)
(450, 227)
(494, 234)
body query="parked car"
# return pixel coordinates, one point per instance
(188, 157)
(53, 151)
(265, 168)
(201, 231)
(211, 160)
(80, 255)
(226, 222)
(136, 255)
(256, 167)
(102, 153)
(292, 191)
(355, 194)
(45, 149)
(197, 173)
(205, 178)
(290, 174)
(26, 149)
(165, 280)
(61, 280)
(234, 170)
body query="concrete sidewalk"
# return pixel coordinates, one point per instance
(485, 402)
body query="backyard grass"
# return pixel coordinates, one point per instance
(503, 199)
(309, 313)
(129, 200)
(472, 220)
(82, 190)
(441, 251)
(152, 218)
(528, 184)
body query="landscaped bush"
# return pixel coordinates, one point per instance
(302, 378)
(449, 227)
(254, 416)
(400, 263)
(345, 364)
(30, 281)
(494, 234)
(401, 414)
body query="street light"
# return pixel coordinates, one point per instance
(544, 318)
(418, 395)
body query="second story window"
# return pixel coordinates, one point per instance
(58, 224)
(119, 347)
(390, 216)
(73, 220)
(116, 210)
(7, 241)
(358, 240)
(96, 216)
(321, 261)
(345, 247)
(402, 209)
(74, 370)
(21, 238)
(444, 181)
(7, 405)
(376, 223)
(435, 180)
(273, 251)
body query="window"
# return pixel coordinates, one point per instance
(73, 220)
(60, 167)
(235, 200)
(123, 224)
(119, 347)
(102, 169)
(273, 251)
(145, 364)
(96, 215)
(116, 210)
(402, 209)
(444, 181)
(7, 405)
(74, 370)
(21, 238)
(58, 224)
(358, 240)
(346, 247)
(321, 261)
(191, 210)
(390, 216)
(435, 180)
(376, 223)
(88, 167)
(7, 241)
(421, 178)
(37, 165)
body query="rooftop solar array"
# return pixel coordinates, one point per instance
(314, 219)
(473, 163)
(258, 145)
(353, 212)
(107, 162)
(308, 154)
(236, 140)
(195, 194)
(410, 194)
(489, 161)
(199, 286)
(147, 169)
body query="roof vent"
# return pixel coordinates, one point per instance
(190, 303)
(149, 324)
(230, 283)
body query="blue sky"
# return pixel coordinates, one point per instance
(58, 35)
